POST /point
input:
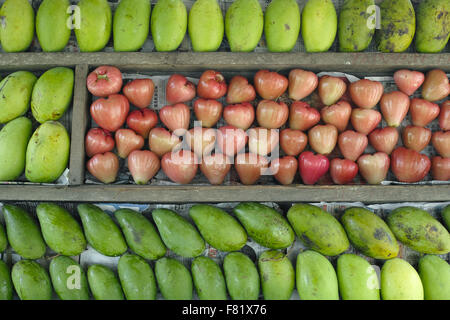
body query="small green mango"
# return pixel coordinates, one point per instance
(137, 278)
(31, 281)
(241, 276)
(277, 275)
(433, 25)
(6, 287)
(400, 281)
(17, 26)
(435, 275)
(52, 27)
(68, 279)
(174, 280)
(446, 216)
(208, 279)
(104, 283)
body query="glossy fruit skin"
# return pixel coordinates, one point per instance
(384, 139)
(143, 165)
(444, 116)
(104, 166)
(262, 141)
(293, 141)
(180, 166)
(208, 111)
(17, 29)
(331, 89)
(337, 114)
(161, 141)
(104, 283)
(435, 275)
(441, 142)
(239, 115)
(277, 275)
(241, 277)
(104, 81)
(208, 279)
(408, 81)
(365, 120)
(179, 89)
(440, 168)
(284, 169)
(136, 278)
(423, 112)
(250, 167)
(211, 85)
(301, 83)
(394, 107)
(174, 279)
(271, 114)
(366, 93)
(343, 171)
(374, 168)
(409, 165)
(352, 144)
(231, 140)
(436, 85)
(111, 113)
(176, 117)
(142, 121)
(302, 116)
(127, 141)
(323, 138)
(239, 90)
(400, 281)
(51, 25)
(215, 167)
(416, 138)
(269, 84)
(31, 281)
(312, 167)
(139, 92)
(58, 269)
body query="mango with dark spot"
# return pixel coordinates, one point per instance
(241, 276)
(435, 275)
(277, 275)
(174, 279)
(136, 277)
(446, 216)
(433, 25)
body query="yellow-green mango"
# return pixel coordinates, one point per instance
(446, 216)
(241, 276)
(14, 137)
(52, 94)
(52, 27)
(95, 25)
(318, 229)
(419, 230)
(137, 278)
(104, 283)
(15, 95)
(174, 279)
(433, 25)
(397, 27)
(3, 239)
(319, 25)
(277, 275)
(31, 281)
(435, 275)
(208, 279)
(47, 153)
(205, 25)
(400, 281)
(131, 24)
(357, 279)
(244, 24)
(6, 287)
(68, 279)
(168, 36)
(17, 27)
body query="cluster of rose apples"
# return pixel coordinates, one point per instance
(345, 116)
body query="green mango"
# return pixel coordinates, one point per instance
(446, 216)
(3, 239)
(14, 137)
(52, 94)
(178, 234)
(104, 283)
(31, 281)
(241, 276)
(47, 153)
(318, 229)
(433, 25)
(205, 25)
(282, 25)
(174, 280)
(17, 27)
(60, 230)
(168, 36)
(68, 279)
(319, 25)
(131, 24)
(15, 95)
(357, 279)
(397, 26)
(137, 278)
(101, 232)
(95, 25)
(277, 275)
(6, 287)
(265, 225)
(140, 234)
(369, 233)
(244, 24)
(354, 29)
(208, 279)
(218, 228)
(419, 230)
(24, 235)
(400, 281)
(435, 275)
(51, 25)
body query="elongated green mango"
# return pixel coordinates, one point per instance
(241, 276)
(47, 153)
(277, 275)
(68, 279)
(15, 95)
(31, 281)
(3, 239)
(17, 27)
(6, 287)
(433, 25)
(14, 137)
(104, 283)
(435, 275)
(174, 280)
(137, 278)
(400, 281)
(52, 27)
(208, 279)
(446, 216)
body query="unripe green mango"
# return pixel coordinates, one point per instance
(24, 235)
(265, 225)
(353, 30)
(17, 27)
(51, 25)
(68, 279)
(319, 25)
(277, 275)
(140, 234)
(137, 278)
(369, 233)
(435, 275)
(397, 27)
(168, 36)
(433, 25)
(95, 26)
(52, 94)
(3, 239)
(205, 25)
(419, 230)
(318, 229)
(446, 216)
(31, 281)
(357, 279)
(174, 280)
(6, 287)
(218, 228)
(104, 283)
(244, 23)
(400, 281)
(178, 234)
(208, 279)
(100, 230)
(14, 137)
(15, 95)
(281, 25)
(241, 276)
(131, 24)
(47, 153)
(60, 230)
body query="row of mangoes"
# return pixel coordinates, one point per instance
(243, 25)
